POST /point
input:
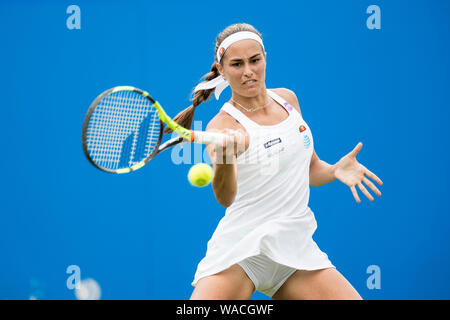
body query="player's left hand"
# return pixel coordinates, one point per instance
(352, 173)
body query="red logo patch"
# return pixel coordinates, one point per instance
(302, 128)
(221, 52)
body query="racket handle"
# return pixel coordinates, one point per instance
(204, 137)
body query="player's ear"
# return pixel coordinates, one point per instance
(220, 69)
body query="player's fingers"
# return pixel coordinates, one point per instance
(229, 137)
(372, 176)
(356, 150)
(220, 150)
(220, 144)
(235, 140)
(240, 143)
(364, 190)
(372, 186)
(355, 194)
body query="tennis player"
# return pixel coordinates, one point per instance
(262, 175)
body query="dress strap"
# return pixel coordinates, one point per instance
(249, 124)
(239, 116)
(289, 108)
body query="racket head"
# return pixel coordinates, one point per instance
(122, 130)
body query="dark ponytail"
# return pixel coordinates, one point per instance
(185, 117)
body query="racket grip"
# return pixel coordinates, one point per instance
(204, 137)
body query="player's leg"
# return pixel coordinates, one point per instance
(324, 284)
(230, 284)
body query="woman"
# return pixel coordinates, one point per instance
(262, 175)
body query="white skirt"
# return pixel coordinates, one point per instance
(285, 240)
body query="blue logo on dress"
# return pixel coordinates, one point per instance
(306, 141)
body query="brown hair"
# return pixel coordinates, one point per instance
(185, 117)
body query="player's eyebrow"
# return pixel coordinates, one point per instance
(238, 59)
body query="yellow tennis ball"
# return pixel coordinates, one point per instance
(200, 175)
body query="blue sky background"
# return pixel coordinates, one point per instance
(141, 236)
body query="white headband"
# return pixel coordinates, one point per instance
(235, 37)
(219, 82)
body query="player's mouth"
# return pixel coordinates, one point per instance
(249, 82)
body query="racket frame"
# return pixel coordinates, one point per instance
(184, 134)
(87, 118)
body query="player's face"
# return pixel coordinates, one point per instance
(244, 66)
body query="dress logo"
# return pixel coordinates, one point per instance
(288, 106)
(221, 52)
(271, 143)
(302, 128)
(306, 141)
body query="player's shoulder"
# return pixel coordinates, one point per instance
(289, 96)
(222, 120)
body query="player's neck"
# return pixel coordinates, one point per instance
(259, 101)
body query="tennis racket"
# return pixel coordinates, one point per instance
(123, 130)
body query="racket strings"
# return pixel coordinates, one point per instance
(123, 130)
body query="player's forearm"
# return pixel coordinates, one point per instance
(321, 173)
(225, 183)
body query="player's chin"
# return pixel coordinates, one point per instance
(251, 91)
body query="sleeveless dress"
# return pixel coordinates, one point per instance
(270, 214)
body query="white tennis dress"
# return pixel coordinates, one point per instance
(270, 214)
